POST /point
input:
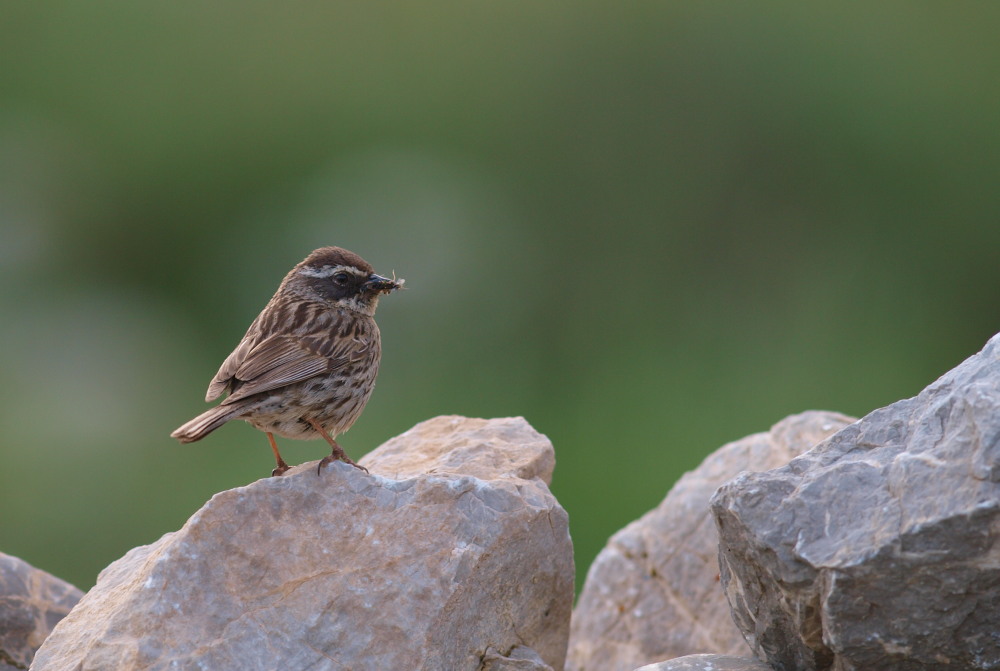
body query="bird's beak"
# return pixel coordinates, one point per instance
(382, 285)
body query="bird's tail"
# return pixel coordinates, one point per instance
(206, 423)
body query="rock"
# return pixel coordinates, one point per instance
(519, 659)
(461, 560)
(709, 663)
(486, 449)
(653, 593)
(879, 548)
(31, 603)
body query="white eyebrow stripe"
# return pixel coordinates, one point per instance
(329, 271)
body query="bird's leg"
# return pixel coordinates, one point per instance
(337, 453)
(282, 466)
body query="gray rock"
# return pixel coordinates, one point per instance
(653, 593)
(879, 548)
(709, 663)
(461, 559)
(31, 603)
(519, 659)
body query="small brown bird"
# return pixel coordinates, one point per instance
(307, 364)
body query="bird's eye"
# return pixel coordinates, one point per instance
(341, 278)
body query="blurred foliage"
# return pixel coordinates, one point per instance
(649, 228)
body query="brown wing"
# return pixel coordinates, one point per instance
(224, 378)
(276, 362)
(262, 362)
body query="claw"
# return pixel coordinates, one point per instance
(337, 452)
(330, 458)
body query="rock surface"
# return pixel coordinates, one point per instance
(653, 593)
(709, 663)
(452, 554)
(31, 603)
(880, 548)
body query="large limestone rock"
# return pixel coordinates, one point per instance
(880, 548)
(653, 593)
(31, 603)
(451, 555)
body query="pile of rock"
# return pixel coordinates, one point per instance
(825, 543)
(453, 554)
(653, 593)
(879, 548)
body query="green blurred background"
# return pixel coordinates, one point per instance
(649, 228)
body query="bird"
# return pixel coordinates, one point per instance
(307, 365)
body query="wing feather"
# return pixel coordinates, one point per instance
(278, 365)
(266, 360)
(223, 380)
(274, 353)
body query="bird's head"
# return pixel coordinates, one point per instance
(335, 275)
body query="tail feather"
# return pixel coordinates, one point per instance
(205, 423)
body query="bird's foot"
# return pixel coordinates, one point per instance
(281, 467)
(336, 453)
(330, 458)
